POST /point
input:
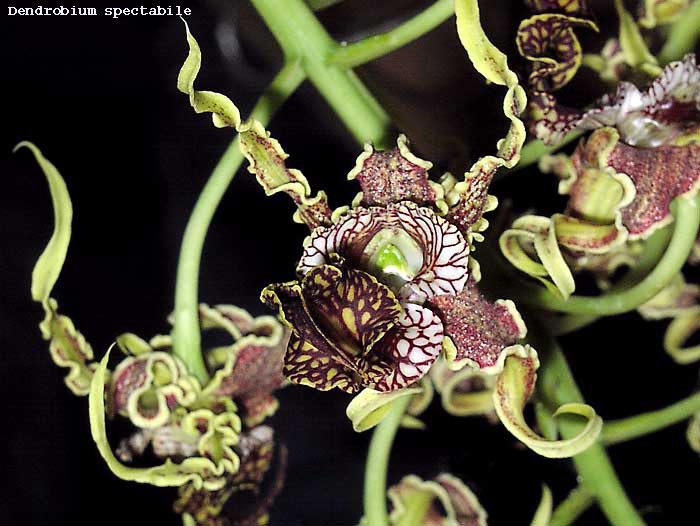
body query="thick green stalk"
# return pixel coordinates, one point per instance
(617, 431)
(684, 234)
(367, 49)
(378, 462)
(595, 470)
(578, 501)
(186, 330)
(302, 36)
(683, 35)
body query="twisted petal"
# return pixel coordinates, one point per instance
(250, 369)
(146, 387)
(444, 501)
(543, 513)
(393, 176)
(549, 42)
(264, 154)
(693, 433)
(478, 333)
(469, 199)
(465, 392)
(514, 387)
(668, 109)
(369, 407)
(678, 333)
(256, 449)
(677, 298)
(433, 253)
(199, 471)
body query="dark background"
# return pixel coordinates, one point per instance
(98, 96)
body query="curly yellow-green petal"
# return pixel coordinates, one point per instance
(67, 345)
(465, 392)
(513, 389)
(634, 47)
(369, 407)
(469, 198)
(677, 333)
(167, 474)
(224, 111)
(132, 344)
(537, 235)
(543, 513)
(48, 266)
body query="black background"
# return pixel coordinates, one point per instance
(98, 96)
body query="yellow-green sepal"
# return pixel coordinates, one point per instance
(678, 332)
(634, 47)
(513, 389)
(67, 345)
(369, 407)
(543, 513)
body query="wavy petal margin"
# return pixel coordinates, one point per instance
(264, 154)
(167, 474)
(445, 500)
(67, 346)
(469, 199)
(369, 407)
(465, 392)
(514, 387)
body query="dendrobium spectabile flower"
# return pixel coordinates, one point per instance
(387, 284)
(620, 180)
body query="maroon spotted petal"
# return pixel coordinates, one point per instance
(479, 329)
(392, 176)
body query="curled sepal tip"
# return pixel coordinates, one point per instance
(369, 407)
(167, 474)
(514, 387)
(67, 346)
(678, 333)
(443, 501)
(543, 513)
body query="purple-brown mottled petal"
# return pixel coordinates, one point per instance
(392, 176)
(659, 175)
(311, 359)
(411, 346)
(479, 330)
(549, 42)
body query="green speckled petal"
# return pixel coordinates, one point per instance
(469, 199)
(67, 346)
(514, 387)
(265, 155)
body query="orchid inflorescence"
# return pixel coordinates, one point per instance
(388, 304)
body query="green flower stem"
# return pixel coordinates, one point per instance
(378, 462)
(368, 49)
(186, 330)
(595, 470)
(687, 214)
(653, 251)
(617, 431)
(302, 36)
(578, 501)
(683, 35)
